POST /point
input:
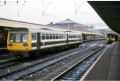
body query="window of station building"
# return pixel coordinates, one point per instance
(34, 36)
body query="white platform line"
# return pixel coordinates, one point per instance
(86, 73)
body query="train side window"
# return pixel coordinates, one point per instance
(73, 36)
(56, 36)
(79, 36)
(69, 36)
(59, 36)
(47, 36)
(62, 36)
(50, 36)
(43, 36)
(33, 36)
(53, 36)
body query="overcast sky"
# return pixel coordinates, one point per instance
(46, 11)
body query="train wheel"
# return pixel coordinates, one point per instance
(37, 53)
(34, 54)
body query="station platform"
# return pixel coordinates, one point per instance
(3, 47)
(108, 66)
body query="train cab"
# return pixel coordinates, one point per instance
(111, 38)
(18, 40)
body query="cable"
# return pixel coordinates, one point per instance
(78, 7)
(21, 8)
(46, 8)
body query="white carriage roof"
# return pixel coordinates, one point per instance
(45, 31)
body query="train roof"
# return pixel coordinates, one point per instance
(92, 33)
(35, 30)
(43, 30)
(72, 32)
(47, 31)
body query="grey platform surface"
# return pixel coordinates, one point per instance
(108, 66)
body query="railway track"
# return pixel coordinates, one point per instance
(6, 56)
(76, 71)
(9, 69)
(3, 51)
(18, 71)
(53, 70)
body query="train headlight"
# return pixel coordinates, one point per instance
(25, 45)
(9, 44)
(113, 39)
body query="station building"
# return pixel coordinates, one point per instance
(69, 24)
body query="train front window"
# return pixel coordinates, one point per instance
(12, 37)
(25, 37)
(18, 37)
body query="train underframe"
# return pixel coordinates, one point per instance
(52, 50)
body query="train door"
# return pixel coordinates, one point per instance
(34, 41)
(3, 36)
(67, 40)
(38, 41)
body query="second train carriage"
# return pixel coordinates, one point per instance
(88, 36)
(24, 40)
(111, 38)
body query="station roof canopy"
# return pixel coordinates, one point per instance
(7, 23)
(109, 11)
(20, 24)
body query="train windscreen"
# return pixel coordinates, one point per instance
(18, 37)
